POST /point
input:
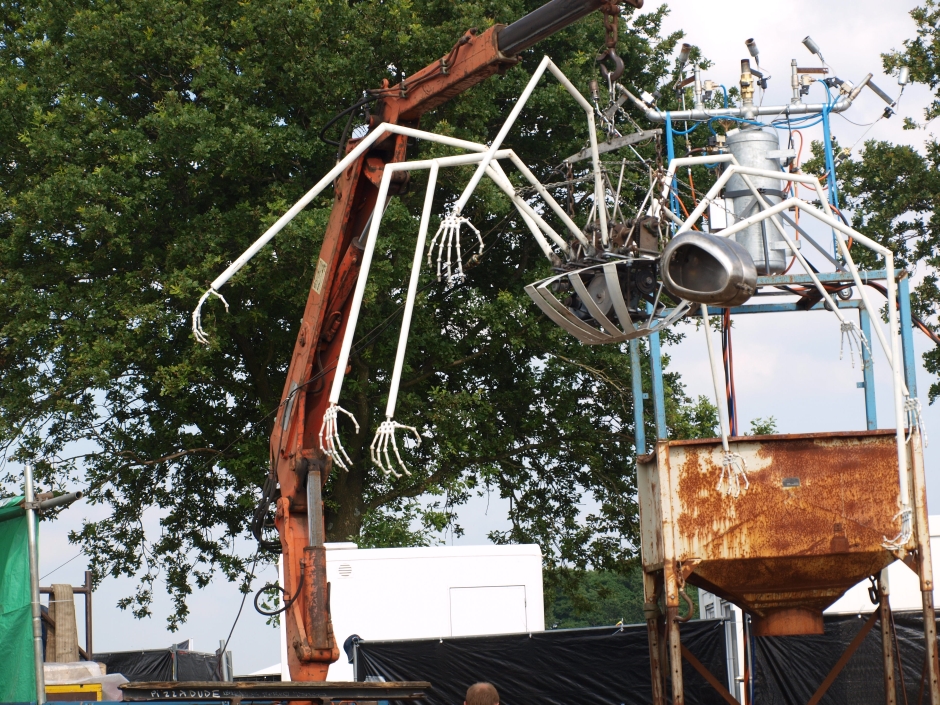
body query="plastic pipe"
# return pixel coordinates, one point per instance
(32, 546)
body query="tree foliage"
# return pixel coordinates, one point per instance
(146, 144)
(893, 191)
(603, 598)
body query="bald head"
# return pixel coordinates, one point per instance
(482, 694)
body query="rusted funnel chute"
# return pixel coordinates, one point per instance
(708, 269)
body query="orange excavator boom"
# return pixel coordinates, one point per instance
(299, 467)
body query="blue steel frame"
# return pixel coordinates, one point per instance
(868, 381)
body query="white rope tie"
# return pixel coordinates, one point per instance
(197, 315)
(733, 474)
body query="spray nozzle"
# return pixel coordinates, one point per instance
(813, 47)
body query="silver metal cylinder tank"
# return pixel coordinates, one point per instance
(752, 148)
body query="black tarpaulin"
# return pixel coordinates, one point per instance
(608, 665)
(789, 669)
(157, 665)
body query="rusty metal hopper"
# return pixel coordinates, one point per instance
(810, 526)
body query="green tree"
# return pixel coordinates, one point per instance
(146, 143)
(602, 598)
(893, 191)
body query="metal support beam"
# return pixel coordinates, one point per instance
(844, 659)
(32, 546)
(824, 277)
(636, 371)
(674, 645)
(659, 396)
(907, 334)
(708, 676)
(651, 590)
(887, 652)
(868, 373)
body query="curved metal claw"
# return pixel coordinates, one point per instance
(384, 436)
(329, 436)
(610, 76)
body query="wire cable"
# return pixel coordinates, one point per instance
(218, 664)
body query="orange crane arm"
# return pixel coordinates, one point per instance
(299, 466)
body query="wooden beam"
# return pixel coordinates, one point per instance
(844, 659)
(707, 675)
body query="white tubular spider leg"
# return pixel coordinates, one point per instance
(330, 442)
(198, 332)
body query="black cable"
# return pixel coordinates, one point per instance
(358, 104)
(218, 664)
(287, 603)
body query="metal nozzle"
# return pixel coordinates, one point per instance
(881, 94)
(62, 499)
(752, 48)
(904, 76)
(813, 47)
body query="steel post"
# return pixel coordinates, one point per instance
(930, 635)
(924, 563)
(315, 565)
(659, 397)
(32, 548)
(907, 334)
(887, 652)
(675, 654)
(652, 613)
(868, 373)
(88, 613)
(639, 430)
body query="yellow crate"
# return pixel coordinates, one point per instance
(82, 692)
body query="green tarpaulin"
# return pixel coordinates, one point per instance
(17, 667)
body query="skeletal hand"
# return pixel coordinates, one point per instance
(914, 417)
(329, 436)
(904, 535)
(384, 436)
(733, 471)
(856, 339)
(447, 238)
(197, 315)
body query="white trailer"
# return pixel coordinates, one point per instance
(437, 591)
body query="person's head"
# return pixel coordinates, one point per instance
(482, 694)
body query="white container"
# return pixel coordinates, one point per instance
(436, 591)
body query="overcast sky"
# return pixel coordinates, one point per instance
(787, 365)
